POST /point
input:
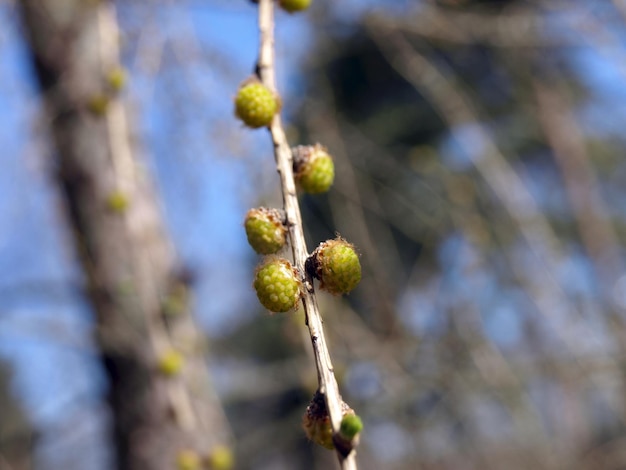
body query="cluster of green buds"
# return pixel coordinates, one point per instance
(278, 284)
(334, 263)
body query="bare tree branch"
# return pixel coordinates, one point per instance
(581, 184)
(456, 109)
(284, 161)
(125, 253)
(519, 29)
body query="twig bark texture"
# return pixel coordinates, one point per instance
(284, 162)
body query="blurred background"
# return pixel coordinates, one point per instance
(480, 171)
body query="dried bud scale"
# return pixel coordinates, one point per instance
(316, 421)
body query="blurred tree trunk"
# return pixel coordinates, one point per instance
(119, 234)
(16, 433)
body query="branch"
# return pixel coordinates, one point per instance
(581, 184)
(123, 246)
(284, 162)
(457, 110)
(523, 28)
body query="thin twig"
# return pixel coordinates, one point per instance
(581, 183)
(284, 162)
(522, 28)
(620, 6)
(457, 110)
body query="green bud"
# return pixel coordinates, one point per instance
(351, 425)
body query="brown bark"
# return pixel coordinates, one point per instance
(124, 251)
(16, 432)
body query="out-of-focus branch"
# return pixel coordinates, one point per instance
(581, 184)
(118, 230)
(508, 30)
(456, 110)
(284, 161)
